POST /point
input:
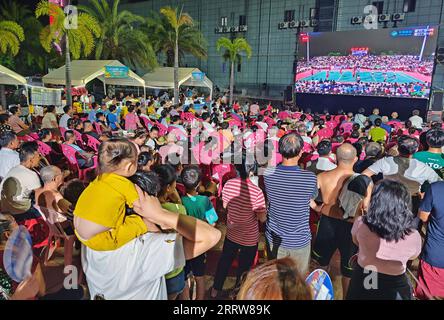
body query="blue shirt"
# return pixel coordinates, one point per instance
(289, 191)
(433, 252)
(112, 119)
(386, 127)
(92, 116)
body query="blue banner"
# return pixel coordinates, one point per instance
(116, 72)
(198, 75)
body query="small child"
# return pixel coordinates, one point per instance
(170, 200)
(200, 207)
(99, 216)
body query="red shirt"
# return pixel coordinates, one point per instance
(244, 201)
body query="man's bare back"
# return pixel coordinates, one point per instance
(330, 184)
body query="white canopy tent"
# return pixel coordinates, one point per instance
(9, 77)
(84, 71)
(163, 78)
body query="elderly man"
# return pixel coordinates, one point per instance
(290, 191)
(9, 158)
(334, 232)
(403, 168)
(171, 147)
(48, 197)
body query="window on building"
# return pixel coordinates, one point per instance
(239, 67)
(379, 5)
(242, 20)
(409, 5)
(289, 15)
(223, 21)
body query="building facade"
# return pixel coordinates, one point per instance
(270, 70)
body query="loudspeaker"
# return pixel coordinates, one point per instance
(288, 94)
(437, 101)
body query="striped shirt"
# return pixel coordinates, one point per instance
(289, 191)
(244, 202)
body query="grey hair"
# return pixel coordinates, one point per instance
(48, 173)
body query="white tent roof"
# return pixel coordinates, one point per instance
(84, 71)
(10, 77)
(163, 78)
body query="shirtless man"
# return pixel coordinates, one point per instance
(334, 232)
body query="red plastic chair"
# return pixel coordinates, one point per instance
(346, 127)
(92, 142)
(26, 138)
(324, 133)
(79, 138)
(56, 233)
(97, 128)
(62, 131)
(70, 154)
(146, 122)
(162, 129)
(224, 172)
(34, 135)
(43, 148)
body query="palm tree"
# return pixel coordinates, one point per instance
(177, 20)
(31, 57)
(162, 36)
(11, 35)
(78, 42)
(120, 37)
(233, 53)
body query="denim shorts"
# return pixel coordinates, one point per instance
(177, 284)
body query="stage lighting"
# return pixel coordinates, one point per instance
(314, 23)
(219, 30)
(398, 17)
(293, 24)
(384, 17)
(243, 28)
(283, 25)
(234, 29)
(225, 29)
(356, 20)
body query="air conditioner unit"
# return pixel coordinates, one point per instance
(314, 23)
(234, 29)
(304, 23)
(293, 24)
(283, 25)
(243, 28)
(398, 17)
(357, 20)
(384, 17)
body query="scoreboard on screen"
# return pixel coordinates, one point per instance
(359, 51)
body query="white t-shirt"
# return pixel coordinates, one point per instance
(416, 122)
(63, 123)
(8, 160)
(28, 179)
(417, 171)
(325, 164)
(263, 125)
(135, 271)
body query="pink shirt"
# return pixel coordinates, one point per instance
(169, 149)
(388, 257)
(15, 122)
(131, 121)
